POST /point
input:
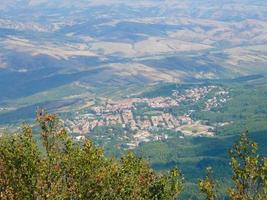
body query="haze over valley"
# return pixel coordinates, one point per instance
(65, 50)
(176, 82)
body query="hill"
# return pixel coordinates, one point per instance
(90, 48)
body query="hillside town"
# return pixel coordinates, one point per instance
(124, 113)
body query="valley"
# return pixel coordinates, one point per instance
(142, 119)
(175, 82)
(124, 44)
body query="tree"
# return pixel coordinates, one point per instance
(249, 171)
(19, 166)
(207, 185)
(60, 168)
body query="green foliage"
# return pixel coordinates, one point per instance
(75, 170)
(64, 169)
(249, 171)
(193, 154)
(19, 166)
(163, 89)
(246, 110)
(207, 185)
(162, 190)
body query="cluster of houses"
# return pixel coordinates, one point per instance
(122, 113)
(217, 100)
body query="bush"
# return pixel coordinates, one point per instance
(64, 169)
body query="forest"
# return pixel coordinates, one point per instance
(57, 167)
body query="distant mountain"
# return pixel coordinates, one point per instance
(65, 49)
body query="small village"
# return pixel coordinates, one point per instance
(122, 113)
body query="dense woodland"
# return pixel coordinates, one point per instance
(57, 167)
